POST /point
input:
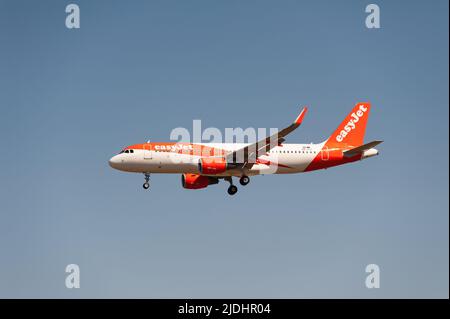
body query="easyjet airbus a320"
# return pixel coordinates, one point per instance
(204, 164)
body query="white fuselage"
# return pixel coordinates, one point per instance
(284, 159)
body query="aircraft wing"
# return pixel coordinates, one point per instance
(248, 154)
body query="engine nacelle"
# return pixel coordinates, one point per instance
(212, 166)
(195, 181)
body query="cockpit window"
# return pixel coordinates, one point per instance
(126, 151)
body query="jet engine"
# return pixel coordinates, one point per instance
(212, 166)
(195, 181)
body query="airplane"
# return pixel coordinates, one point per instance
(204, 164)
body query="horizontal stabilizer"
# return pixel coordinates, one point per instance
(361, 149)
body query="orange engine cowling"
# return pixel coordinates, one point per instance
(212, 166)
(195, 181)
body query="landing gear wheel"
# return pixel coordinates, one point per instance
(147, 179)
(232, 190)
(244, 180)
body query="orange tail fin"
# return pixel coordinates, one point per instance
(351, 131)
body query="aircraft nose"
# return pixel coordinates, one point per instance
(114, 162)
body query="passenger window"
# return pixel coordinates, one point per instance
(131, 151)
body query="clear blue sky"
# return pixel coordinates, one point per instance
(70, 99)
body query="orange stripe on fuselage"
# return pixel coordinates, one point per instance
(180, 148)
(330, 158)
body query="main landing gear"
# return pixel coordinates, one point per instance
(232, 189)
(146, 185)
(244, 180)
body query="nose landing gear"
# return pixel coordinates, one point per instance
(146, 185)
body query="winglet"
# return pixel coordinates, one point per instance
(300, 117)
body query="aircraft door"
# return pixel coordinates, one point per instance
(325, 153)
(148, 153)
